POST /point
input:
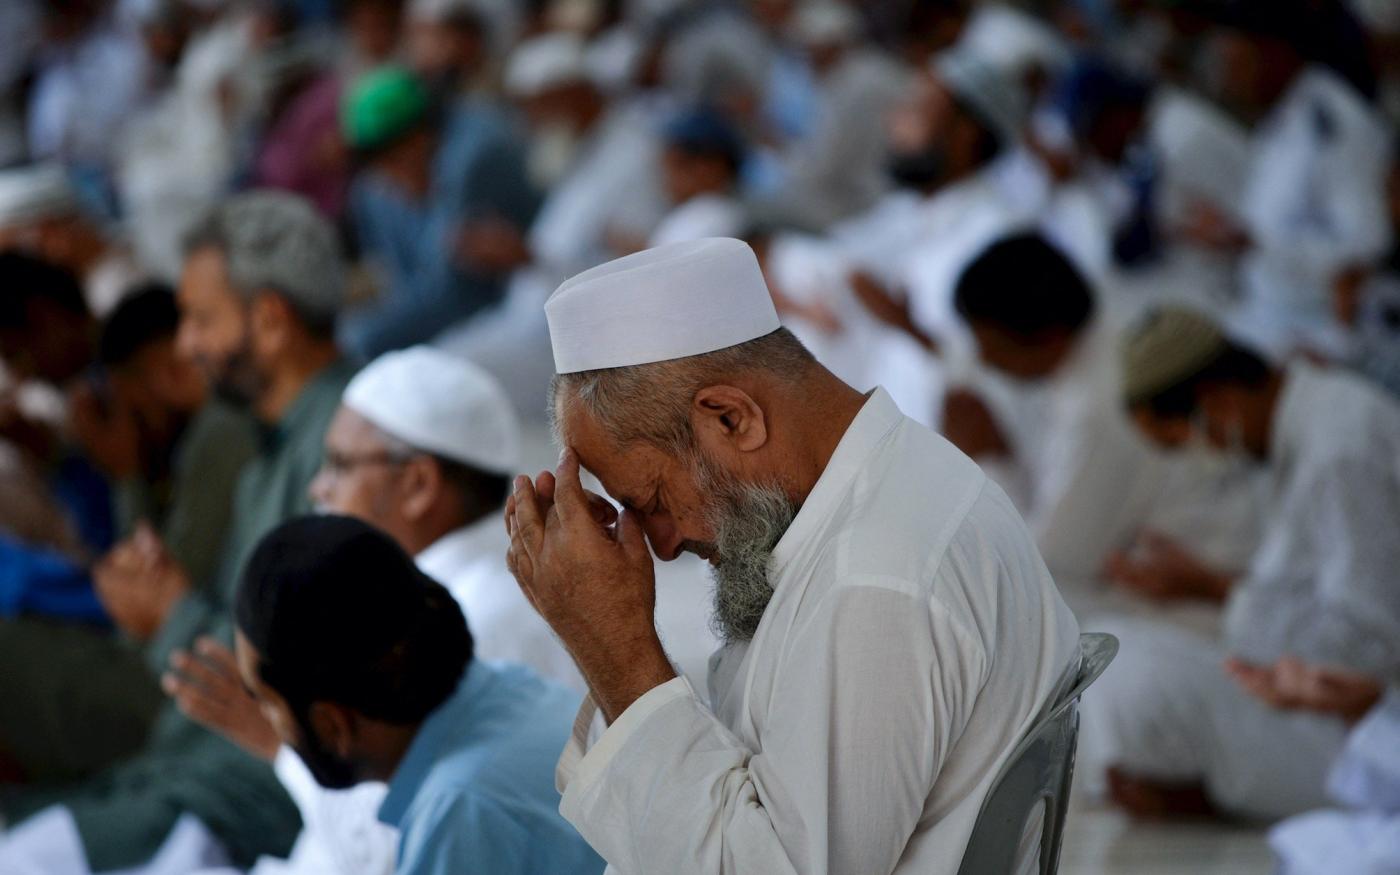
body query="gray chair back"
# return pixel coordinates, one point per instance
(1039, 770)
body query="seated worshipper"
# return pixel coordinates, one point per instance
(263, 281)
(40, 213)
(173, 455)
(48, 340)
(427, 171)
(862, 566)
(365, 666)
(1321, 586)
(1365, 838)
(700, 168)
(1314, 196)
(1044, 417)
(423, 448)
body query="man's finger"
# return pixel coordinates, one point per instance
(218, 657)
(569, 497)
(631, 537)
(529, 525)
(194, 669)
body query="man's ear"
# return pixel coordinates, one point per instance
(422, 482)
(270, 319)
(335, 727)
(729, 417)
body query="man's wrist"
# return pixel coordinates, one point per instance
(623, 675)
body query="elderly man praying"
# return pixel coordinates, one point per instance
(890, 631)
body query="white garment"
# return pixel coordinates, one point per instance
(1364, 840)
(471, 563)
(1166, 710)
(913, 636)
(1323, 584)
(1314, 205)
(341, 830)
(706, 215)
(1321, 587)
(613, 184)
(1088, 482)
(49, 844)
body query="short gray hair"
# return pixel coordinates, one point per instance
(651, 403)
(274, 241)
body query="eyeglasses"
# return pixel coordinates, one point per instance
(340, 464)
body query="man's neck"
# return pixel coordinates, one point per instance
(295, 372)
(393, 745)
(820, 428)
(1271, 398)
(434, 528)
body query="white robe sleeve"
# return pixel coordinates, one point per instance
(870, 696)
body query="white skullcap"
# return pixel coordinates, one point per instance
(997, 100)
(440, 404)
(1014, 41)
(826, 23)
(665, 303)
(545, 62)
(35, 192)
(438, 10)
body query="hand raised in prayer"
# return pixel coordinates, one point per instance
(971, 427)
(139, 583)
(589, 573)
(1292, 685)
(1159, 568)
(208, 689)
(888, 308)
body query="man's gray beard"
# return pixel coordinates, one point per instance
(748, 521)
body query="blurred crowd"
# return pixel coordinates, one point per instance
(1140, 259)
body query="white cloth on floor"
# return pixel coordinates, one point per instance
(913, 636)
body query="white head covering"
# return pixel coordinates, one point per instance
(1014, 41)
(438, 10)
(35, 192)
(996, 98)
(825, 23)
(545, 62)
(665, 303)
(440, 404)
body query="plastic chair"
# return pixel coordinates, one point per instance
(1040, 769)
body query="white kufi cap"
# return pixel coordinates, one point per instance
(545, 62)
(992, 94)
(665, 303)
(440, 404)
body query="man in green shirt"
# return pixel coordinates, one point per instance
(262, 283)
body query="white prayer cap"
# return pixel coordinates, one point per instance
(994, 97)
(440, 404)
(1014, 40)
(665, 303)
(545, 62)
(35, 192)
(826, 23)
(438, 10)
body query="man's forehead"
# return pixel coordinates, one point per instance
(349, 429)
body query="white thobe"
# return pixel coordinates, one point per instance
(1364, 840)
(341, 830)
(1314, 205)
(1323, 584)
(1320, 587)
(913, 636)
(705, 215)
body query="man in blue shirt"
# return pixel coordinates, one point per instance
(427, 170)
(364, 665)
